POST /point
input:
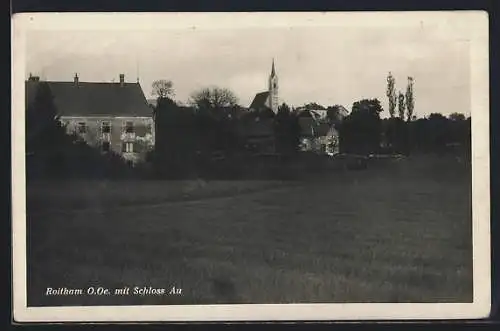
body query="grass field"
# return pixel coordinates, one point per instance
(395, 232)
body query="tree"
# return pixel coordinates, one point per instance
(286, 130)
(457, 117)
(334, 114)
(284, 109)
(371, 106)
(401, 105)
(211, 98)
(42, 122)
(360, 132)
(391, 94)
(313, 106)
(410, 99)
(163, 88)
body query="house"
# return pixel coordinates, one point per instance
(111, 116)
(321, 113)
(319, 137)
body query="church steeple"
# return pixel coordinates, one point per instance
(273, 71)
(273, 89)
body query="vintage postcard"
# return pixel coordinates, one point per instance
(250, 166)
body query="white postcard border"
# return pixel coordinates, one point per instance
(473, 24)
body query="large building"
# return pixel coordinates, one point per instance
(111, 116)
(270, 98)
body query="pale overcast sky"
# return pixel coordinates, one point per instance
(327, 65)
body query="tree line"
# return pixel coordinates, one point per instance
(189, 137)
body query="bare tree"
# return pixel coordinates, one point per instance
(391, 94)
(410, 99)
(213, 98)
(163, 88)
(401, 105)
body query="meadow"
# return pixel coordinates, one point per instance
(398, 231)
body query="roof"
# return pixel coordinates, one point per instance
(152, 102)
(259, 101)
(95, 98)
(309, 127)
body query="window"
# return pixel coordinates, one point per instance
(82, 128)
(149, 128)
(128, 147)
(106, 127)
(105, 146)
(129, 127)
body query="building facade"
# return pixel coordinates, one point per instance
(113, 117)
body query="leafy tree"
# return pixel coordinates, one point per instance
(334, 114)
(391, 94)
(370, 106)
(284, 109)
(313, 106)
(360, 132)
(410, 99)
(401, 105)
(163, 89)
(457, 117)
(286, 130)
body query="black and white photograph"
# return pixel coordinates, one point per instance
(250, 166)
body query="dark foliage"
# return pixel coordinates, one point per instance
(360, 132)
(51, 153)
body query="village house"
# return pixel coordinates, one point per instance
(111, 116)
(318, 137)
(315, 135)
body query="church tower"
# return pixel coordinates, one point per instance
(273, 90)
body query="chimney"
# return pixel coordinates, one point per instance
(33, 78)
(75, 79)
(122, 79)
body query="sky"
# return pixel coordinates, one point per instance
(324, 64)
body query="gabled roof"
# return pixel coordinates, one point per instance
(95, 98)
(310, 127)
(259, 101)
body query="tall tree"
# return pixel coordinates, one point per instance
(163, 89)
(410, 99)
(285, 129)
(401, 105)
(391, 94)
(360, 132)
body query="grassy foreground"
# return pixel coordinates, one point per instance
(395, 232)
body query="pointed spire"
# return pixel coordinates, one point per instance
(273, 72)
